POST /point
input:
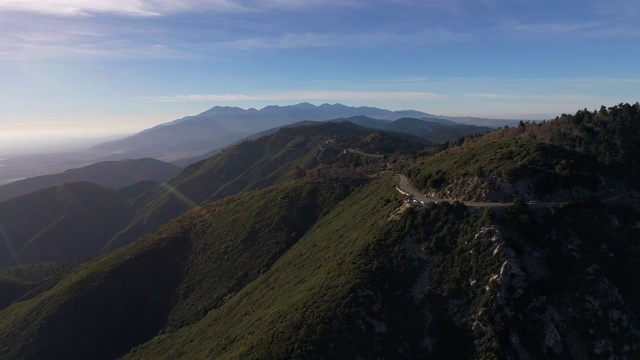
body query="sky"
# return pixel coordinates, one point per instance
(91, 68)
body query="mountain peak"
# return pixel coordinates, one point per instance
(304, 105)
(223, 110)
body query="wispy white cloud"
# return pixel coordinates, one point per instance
(144, 8)
(300, 95)
(378, 38)
(27, 37)
(591, 29)
(121, 7)
(551, 27)
(63, 46)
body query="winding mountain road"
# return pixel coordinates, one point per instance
(404, 187)
(616, 190)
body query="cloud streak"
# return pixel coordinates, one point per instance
(136, 8)
(593, 30)
(146, 8)
(366, 39)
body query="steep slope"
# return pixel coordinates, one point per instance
(64, 223)
(173, 277)
(442, 282)
(256, 164)
(111, 174)
(303, 306)
(327, 270)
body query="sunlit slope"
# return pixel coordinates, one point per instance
(570, 158)
(253, 165)
(171, 278)
(442, 282)
(303, 306)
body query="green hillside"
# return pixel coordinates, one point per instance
(325, 270)
(255, 164)
(313, 254)
(75, 221)
(564, 159)
(171, 278)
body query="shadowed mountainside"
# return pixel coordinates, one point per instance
(64, 223)
(197, 262)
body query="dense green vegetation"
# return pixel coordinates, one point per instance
(547, 166)
(293, 248)
(568, 152)
(171, 278)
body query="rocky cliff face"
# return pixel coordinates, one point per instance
(492, 188)
(549, 283)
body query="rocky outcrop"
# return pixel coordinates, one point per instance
(530, 284)
(495, 189)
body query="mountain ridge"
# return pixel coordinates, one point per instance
(111, 174)
(221, 126)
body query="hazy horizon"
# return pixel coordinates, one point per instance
(52, 136)
(78, 69)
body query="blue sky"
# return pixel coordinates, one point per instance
(71, 68)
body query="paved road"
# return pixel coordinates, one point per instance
(616, 190)
(403, 186)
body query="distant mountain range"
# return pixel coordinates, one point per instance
(110, 174)
(222, 126)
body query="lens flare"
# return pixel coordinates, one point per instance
(7, 242)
